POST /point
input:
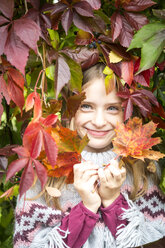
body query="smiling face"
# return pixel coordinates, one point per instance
(98, 115)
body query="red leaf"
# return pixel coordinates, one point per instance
(128, 110)
(3, 38)
(28, 31)
(150, 96)
(7, 8)
(16, 77)
(50, 148)
(33, 99)
(41, 172)
(62, 74)
(4, 91)
(73, 103)
(27, 178)
(7, 150)
(126, 33)
(30, 133)
(92, 60)
(81, 23)
(58, 7)
(95, 4)
(138, 5)
(136, 20)
(36, 145)
(16, 51)
(50, 120)
(21, 151)
(159, 110)
(83, 8)
(66, 20)
(3, 20)
(158, 121)
(116, 25)
(127, 71)
(16, 166)
(15, 93)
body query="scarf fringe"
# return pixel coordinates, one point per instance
(50, 239)
(137, 231)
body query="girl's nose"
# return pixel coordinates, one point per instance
(99, 118)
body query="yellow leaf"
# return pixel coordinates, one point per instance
(107, 71)
(114, 58)
(110, 82)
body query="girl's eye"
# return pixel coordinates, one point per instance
(113, 109)
(86, 107)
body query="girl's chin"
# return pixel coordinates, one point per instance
(98, 148)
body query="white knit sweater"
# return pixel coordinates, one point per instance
(38, 225)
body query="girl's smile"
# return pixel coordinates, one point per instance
(97, 133)
(98, 115)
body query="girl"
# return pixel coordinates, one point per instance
(88, 215)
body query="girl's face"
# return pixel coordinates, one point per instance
(98, 115)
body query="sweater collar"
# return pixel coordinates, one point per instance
(98, 158)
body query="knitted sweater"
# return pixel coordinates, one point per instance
(123, 224)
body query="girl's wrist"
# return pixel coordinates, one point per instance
(93, 208)
(108, 202)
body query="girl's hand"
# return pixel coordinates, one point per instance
(85, 177)
(111, 179)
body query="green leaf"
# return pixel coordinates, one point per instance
(151, 50)
(145, 33)
(54, 36)
(50, 71)
(76, 74)
(162, 183)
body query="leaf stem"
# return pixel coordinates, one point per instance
(26, 8)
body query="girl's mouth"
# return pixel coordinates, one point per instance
(97, 133)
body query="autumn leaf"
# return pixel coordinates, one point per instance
(123, 24)
(13, 88)
(17, 36)
(134, 139)
(64, 165)
(74, 12)
(37, 135)
(33, 100)
(68, 140)
(141, 98)
(73, 103)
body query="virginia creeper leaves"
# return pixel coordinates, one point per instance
(17, 40)
(74, 12)
(123, 26)
(140, 98)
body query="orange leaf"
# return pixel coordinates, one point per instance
(134, 139)
(64, 165)
(68, 140)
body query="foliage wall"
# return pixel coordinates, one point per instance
(45, 46)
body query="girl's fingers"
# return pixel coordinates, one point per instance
(83, 171)
(92, 180)
(87, 174)
(101, 174)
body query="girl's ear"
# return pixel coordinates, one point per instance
(72, 126)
